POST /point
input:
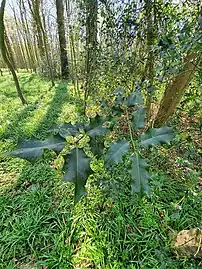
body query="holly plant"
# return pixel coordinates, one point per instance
(66, 138)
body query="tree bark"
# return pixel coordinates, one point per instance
(175, 90)
(91, 45)
(26, 34)
(9, 50)
(34, 7)
(73, 52)
(62, 39)
(45, 40)
(149, 68)
(5, 54)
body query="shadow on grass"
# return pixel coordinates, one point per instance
(12, 131)
(54, 110)
(28, 84)
(40, 229)
(24, 80)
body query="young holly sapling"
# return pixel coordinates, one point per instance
(77, 163)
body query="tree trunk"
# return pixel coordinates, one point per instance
(74, 62)
(149, 68)
(9, 50)
(73, 52)
(175, 90)
(62, 39)
(20, 43)
(45, 40)
(5, 54)
(91, 45)
(34, 7)
(26, 34)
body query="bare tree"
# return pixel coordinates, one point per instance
(35, 7)
(62, 39)
(5, 53)
(91, 44)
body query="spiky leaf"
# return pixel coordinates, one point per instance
(116, 152)
(119, 91)
(138, 120)
(104, 103)
(65, 129)
(157, 136)
(96, 127)
(134, 99)
(117, 110)
(97, 145)
(111, 121)
(119, 100)
(33, 149)
(139, 175)
(77, 169)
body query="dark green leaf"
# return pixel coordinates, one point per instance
(33, 149)
(104, 103)
(96, 127)
(117, 110)
(138, 120)
(66, 129)
(111, 121)
(97, 145)
(134, 99)
(156, 136)
(119, 91)
(139, 175)
(116, 152)
(118, 101)
(77, 169)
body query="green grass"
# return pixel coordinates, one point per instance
(40, 227)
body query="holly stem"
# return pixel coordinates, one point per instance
(130, 130)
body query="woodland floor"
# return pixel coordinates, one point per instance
(40, 227)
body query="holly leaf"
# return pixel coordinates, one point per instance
(117, 110)
(66, 129)
(111, 121)
(116, 152)
(97, 145)
(77, 169)
(138, 119)
(119, 91)
(118, 101)
(139, 175)
(134, 99)
(96, 127)
(33, 149)
(156, 136)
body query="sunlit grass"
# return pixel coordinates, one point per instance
(109, 229)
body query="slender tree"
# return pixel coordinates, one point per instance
(35, 7)
(9, 49)
(149, 68)
(74, 52)
(91, 45)
(62, 39)
(5, 53)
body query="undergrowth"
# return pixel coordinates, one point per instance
(40, 227)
